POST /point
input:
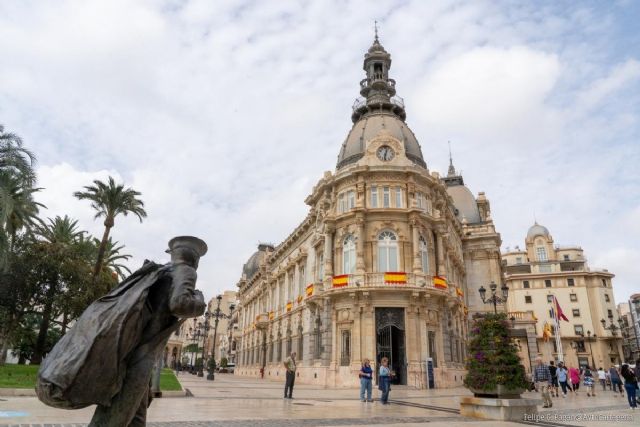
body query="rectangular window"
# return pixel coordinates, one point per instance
(547, 283)
(541, 252)
(351, 199)
(604, 282)
(398, 197)
(527, 299)
(566, 257)
(525, 284)
(606, 298)
(290, 287)
(580, 347)
(519, 260)
(576, 312)
(609, 314)
(302, 278)
(570, 282)
(431, 339)
(320, 266)
(549, 298)
(374, 196)
(342, 207)
(578, 330)
(345, 354)
(386, 197)
(573, 297)
(419, 200)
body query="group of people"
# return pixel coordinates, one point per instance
(385, 375)
(548, 379)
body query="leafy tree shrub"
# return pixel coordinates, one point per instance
(492, 356)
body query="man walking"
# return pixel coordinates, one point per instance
(290, 365)
(542, 378)
(602, 377)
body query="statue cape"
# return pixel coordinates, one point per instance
(87, 366)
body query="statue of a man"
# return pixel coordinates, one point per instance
(107, 357)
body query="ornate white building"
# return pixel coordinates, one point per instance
(387, 262)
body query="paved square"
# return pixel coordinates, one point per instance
(231, 401)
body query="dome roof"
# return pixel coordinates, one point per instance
(368, 128)
(251, 267)
(465, 203)
(537, 230)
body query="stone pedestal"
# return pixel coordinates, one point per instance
(498, 409)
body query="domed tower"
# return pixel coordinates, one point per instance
(379, 112)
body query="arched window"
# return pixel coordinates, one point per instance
(541, 253)
(424, 254)
(387, 252)
(349, 255)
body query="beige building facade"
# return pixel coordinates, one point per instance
(387, 262)
(542, 270)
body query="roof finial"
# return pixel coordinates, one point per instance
(375, 26)
(452, 170)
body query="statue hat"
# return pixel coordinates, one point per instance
(193, 243)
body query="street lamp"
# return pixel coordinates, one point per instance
(206, 328)
(613, 328)
(194, 336)
(217, 314)
(593, 361)
(494, 299)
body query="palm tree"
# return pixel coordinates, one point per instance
(113, 257)
(60, 230)
(18, 210)
(110, 200)
(15, 158)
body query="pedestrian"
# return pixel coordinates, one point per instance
(384, 380)
(563, 376)
(616, 382)
(602, 378)
(178, 367)
(554, 379)
(589, 382)
(542, 378)
(630, 384)
(574, 376)
(607, 377)
(290, 365)
(366, 380)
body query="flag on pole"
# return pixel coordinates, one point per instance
(559, 312)
(546, 331)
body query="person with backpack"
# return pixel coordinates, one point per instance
(588, 381)
(630, 385)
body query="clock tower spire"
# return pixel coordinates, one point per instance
(378, 90)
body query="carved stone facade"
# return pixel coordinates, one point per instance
(384, 264)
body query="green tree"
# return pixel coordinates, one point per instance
(113, 259)
(15, 158)
(109, 200)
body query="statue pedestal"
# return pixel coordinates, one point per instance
(498, 409)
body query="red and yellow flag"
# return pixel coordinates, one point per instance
(440, 282)
(271, 315)
(309, 290)
(340, 281)
(395, 277)
(289, 305)
(299, 299)
(546, 331)
(459, 292)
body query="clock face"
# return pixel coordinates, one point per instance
(385, 153)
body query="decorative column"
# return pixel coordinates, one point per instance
(360, 246)
(329, 229)
(415, 237)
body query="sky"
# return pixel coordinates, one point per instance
(225, 114)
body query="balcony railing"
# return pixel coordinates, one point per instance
(389, 280)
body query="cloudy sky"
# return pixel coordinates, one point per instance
(225, 114)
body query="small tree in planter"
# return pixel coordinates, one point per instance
(211, 368)
(493, 365)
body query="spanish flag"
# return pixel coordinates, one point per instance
(440, 282)
(271, 315)
(289, 306)
(310, 290)
(459, 292)
(299, 299)
(395, 277)
(340, 281)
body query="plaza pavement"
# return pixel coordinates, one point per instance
(232, 401)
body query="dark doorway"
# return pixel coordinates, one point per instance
(390, 341)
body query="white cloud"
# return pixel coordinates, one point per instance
(224, 114)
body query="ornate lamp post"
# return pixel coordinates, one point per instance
(217, 314)
(194, 336)
(593, 361)
(494, 299)
(206, 327)
(614, 330)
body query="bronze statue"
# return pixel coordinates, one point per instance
(107, 357)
